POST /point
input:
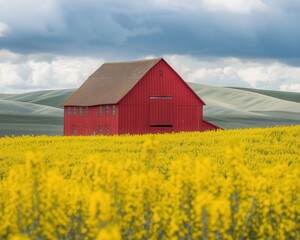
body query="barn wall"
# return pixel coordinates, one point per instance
(67, 122)
(162, 81)
(91, 122)
(209, 126)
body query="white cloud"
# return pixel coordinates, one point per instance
(290, 87)
(3, 28)
(9, 57)
(21, 73)
(234, 72)
(234, 6)
(36, 72)
(9, 76)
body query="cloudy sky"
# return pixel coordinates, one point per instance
(55, 44)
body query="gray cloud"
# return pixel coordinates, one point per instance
(250, 29)
(249, 43)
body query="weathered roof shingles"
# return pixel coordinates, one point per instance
(110, 83)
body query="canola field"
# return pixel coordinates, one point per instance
(234, 184)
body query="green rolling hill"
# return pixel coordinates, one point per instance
(35, 113)
(289, 96)
(41, 112)
(52, 98)
(240, 108)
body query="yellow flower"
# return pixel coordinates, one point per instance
(109, 233)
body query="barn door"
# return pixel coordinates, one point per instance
(161, 113)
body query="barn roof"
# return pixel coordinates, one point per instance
(112, 81)
(104, 85)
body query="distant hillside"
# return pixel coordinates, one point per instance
(41, 112)
(34, 113)
(53, 98)
(240, 108)
(289, 96)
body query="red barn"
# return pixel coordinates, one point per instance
(134, 98)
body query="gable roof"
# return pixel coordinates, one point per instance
(112, 81)
(104, 85)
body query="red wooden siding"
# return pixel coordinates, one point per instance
(209, 126)
(161, 111)
(136, 114)
(91, 121)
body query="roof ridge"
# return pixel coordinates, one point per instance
(135, 61)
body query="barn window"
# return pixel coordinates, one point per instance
(74, 111)
(161, 73)
(100, 110)
(100, 130)
(80, 111)
(113, 109)
(107, 109)
(74, 130)
(107, 130)
(86, 111)
(69, 111)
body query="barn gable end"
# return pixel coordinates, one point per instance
(142, 107)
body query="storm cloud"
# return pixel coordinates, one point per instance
(259, 34)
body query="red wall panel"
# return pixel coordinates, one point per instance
(161, 111)
(136, 108)
(91, 122)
